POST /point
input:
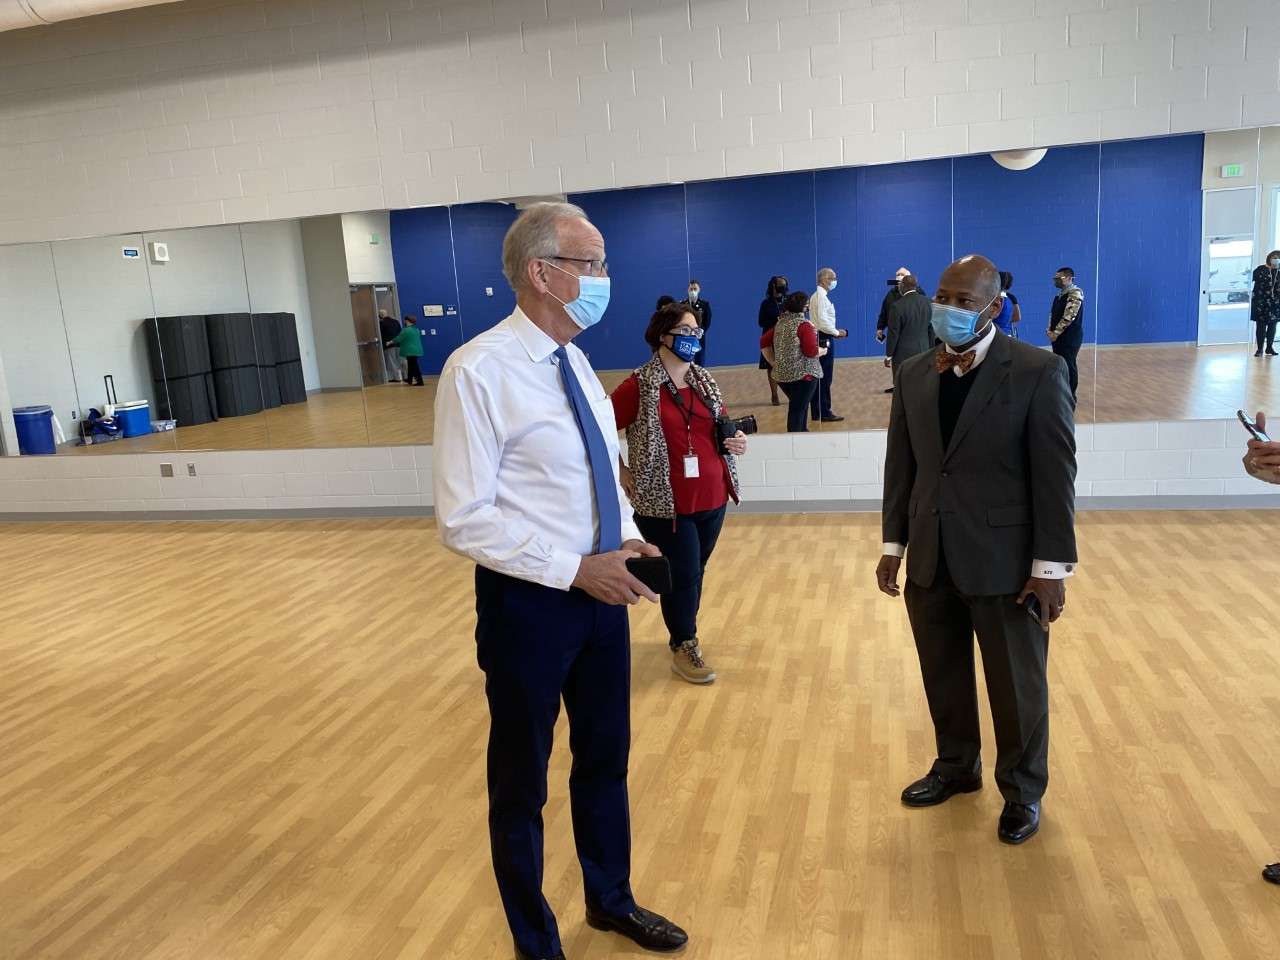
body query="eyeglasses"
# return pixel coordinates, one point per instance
(687, 332)
(595, 268)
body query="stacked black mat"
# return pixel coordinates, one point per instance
(181, 365)
(224, 365)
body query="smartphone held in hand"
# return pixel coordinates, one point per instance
(653, 572)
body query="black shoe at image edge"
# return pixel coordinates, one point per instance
(935, 788)
(646, 928)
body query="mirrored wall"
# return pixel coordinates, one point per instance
(283, 334)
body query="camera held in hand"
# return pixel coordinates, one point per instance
(727, 427)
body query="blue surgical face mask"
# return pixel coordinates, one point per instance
(588, 307)
(685, 347)
(955, 326)
(833, 285)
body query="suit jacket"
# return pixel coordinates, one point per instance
(909, 328)
(1003, 493)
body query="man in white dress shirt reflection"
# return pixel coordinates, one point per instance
(526, 485)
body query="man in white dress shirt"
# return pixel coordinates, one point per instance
(979, 492)
(823, 314)
(526, 485)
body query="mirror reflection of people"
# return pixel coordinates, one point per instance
(678, 481)
(797, 358)
(770, 310)
(823, 314)
(1066, 324)
(979, 494)
(909, 332)
(389, 329)
(701, 307)
(409, 343)
(526, 486)
(1264, 305)
(1010, 311)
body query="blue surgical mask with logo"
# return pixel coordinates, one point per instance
(956, 326)
(588, 307)
(685, 347)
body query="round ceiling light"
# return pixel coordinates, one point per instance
(1019, 159)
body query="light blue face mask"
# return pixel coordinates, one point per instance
(955, 326)
(588, 307)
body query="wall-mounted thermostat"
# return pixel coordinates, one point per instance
(159, 252)
(129, 253)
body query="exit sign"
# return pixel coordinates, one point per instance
(1232, 170)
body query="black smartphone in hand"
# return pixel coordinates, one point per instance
(1032, 605)
(653, 572)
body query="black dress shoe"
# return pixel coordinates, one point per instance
(1270, 352)
(1019, 822)
(1257, 353)
(647, 929)
(832, 418)
(889, 390)
(521, 955)
(1271, 873)
(933, 788)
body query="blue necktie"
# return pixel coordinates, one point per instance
(602, 477)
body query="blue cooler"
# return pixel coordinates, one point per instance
(35, 430)
(134, 418)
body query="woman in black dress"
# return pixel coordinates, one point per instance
(770, 309)
(1264, 306)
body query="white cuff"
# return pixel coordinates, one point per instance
(562, 570)
(1048, 570)
(898, 550)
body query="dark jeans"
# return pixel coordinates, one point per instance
(1067, 347)
(535, 646)
(687, 548)
(1266, 334)
(1015, 653)
(799, 396)
(414, 375)
(820, 405)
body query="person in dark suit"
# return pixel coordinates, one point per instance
(702, 310)
(908, 332)
(770, 310)
(979, 484)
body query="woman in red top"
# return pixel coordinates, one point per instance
(680, 478)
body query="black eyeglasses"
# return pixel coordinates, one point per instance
(596, 268)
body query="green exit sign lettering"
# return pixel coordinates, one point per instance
(1232, 170)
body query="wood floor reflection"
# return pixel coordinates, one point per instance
(238, 747)
(1119, 384)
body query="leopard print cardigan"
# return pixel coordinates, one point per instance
(647, 446)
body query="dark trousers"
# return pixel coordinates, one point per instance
(687, 548)
(535, 646)
(700, 358)
(799, 396)
(1266, 334)
(820, 405)
(1067, 347)
(414, 375)
(1015, 653)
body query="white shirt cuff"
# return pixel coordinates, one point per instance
(562, 570)
(1048, 570)
(898, 550)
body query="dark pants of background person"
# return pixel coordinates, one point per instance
(1267, 334)
(687, 548)
(1067, 347)
(820, 405)
(414, 375)
(536, 645)
(1015, 653)
(700, 358)
(799, 396)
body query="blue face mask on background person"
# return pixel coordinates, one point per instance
(588, 307)
(685, 347)
(955, 326)
(833, 285)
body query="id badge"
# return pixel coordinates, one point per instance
(691, 467)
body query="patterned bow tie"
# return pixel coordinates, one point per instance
(958, 361)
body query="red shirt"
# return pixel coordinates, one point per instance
(711, 489)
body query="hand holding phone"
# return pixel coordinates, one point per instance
(1257, 430)
(653, 572)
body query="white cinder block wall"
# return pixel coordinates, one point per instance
(209, 111)
(1155, 461)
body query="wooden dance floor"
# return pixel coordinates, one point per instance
(1127, 384)
(265, 741)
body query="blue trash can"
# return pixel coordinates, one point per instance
(35, 430)
(134, 418)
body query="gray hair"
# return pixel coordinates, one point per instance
(535, 234)
(825, 273)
